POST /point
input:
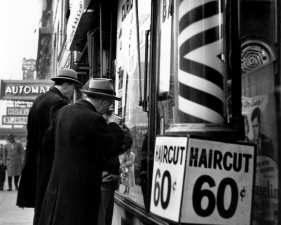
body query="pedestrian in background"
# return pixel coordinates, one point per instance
(82, 138)
(111, 176)
(38, 164)
(128, 162)
(13, 159)
(2, 168)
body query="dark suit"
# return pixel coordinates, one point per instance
(37, 166)
(82, 139)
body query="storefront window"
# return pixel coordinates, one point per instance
(258, 63)
(197, 92)
(128, 88)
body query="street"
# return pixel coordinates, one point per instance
(10, 214)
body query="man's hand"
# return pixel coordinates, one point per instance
(113, 119)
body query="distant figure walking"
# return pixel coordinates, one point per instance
(13, 158)
(128, 169)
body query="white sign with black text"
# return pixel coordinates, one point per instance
(168, 174)
(219, 183)
(200, 181)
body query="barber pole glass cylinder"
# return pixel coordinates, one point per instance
(201, 81)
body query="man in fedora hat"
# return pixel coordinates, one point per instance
(38, 164)
(82, 138)
(13, 157)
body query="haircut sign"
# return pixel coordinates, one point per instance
(203, 182)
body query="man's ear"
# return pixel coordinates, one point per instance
(65, 85)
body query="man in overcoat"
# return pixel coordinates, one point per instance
(38, 164)
(13, 157)
(82, 139)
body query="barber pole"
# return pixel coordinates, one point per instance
(201, 80)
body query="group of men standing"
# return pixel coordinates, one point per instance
(66, 144)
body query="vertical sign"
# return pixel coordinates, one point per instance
(168, 174)
(165, 56)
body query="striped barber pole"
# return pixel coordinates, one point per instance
(201, 96)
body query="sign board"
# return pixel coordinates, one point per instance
(23, 90)
(218, 183)
(14, 120)
(168, 173)
(11, 111)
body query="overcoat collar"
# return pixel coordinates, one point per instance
(56, 91)
(87, 104)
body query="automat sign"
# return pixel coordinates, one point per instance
(218, 181)
(24, 89)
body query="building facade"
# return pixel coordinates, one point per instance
(207, 71)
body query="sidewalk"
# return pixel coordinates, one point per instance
(10, 214)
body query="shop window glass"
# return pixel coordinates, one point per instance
(127, 87)
(259, 102)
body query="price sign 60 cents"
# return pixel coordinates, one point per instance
(219, 181)
(168, 174)
(207, 182)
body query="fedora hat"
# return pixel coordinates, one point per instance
(67, 75)
(11, 136)
(101, 87)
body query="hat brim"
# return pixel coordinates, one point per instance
(66, 79)
(91, 93)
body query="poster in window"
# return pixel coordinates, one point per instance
(261, 128)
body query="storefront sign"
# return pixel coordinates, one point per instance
(168, 173)
(76, 10)
(23, 89)
(14, 120)
(17, 111)
(218, 182)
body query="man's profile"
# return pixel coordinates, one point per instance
(264, 143)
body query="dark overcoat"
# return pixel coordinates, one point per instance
(82, 139)
(35, 175)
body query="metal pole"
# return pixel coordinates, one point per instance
(110, 48)
(138, 49)
(101, 59)
(144, 105)
(237, 120)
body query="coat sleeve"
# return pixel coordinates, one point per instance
(49, 140)
(5, 152)
(109, 137)
(21, 152)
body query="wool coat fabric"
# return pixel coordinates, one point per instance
(37, 166)
(13, 157)
(82, 139)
